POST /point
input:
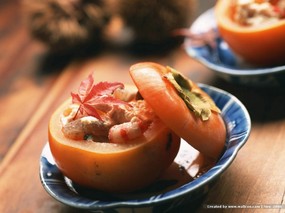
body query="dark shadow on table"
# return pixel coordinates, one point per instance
(263, 103)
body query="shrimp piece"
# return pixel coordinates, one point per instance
(132, 123)
(119, 114)
(122, 133)
(87, 126)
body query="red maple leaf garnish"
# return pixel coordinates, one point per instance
(91, 95)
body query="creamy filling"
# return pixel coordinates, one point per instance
(255, 13)
(118, 124)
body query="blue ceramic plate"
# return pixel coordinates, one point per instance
(224, 62)
(189, 178)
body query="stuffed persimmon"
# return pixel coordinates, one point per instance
(107, 138)
(182, 106)
(119, 139)
(253, 29)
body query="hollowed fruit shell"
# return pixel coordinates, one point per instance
(115, 168)
(261, 45)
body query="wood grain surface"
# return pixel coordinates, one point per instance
(33, 82)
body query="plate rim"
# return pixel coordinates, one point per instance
(223, 69)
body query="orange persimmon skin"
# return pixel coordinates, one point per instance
(262, 45)
(208, 137)
(120, 168)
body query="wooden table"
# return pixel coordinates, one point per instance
(33, 83)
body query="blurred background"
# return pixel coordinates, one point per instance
(32, 58)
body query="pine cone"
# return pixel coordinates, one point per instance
(65, 24)
(153, 21)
